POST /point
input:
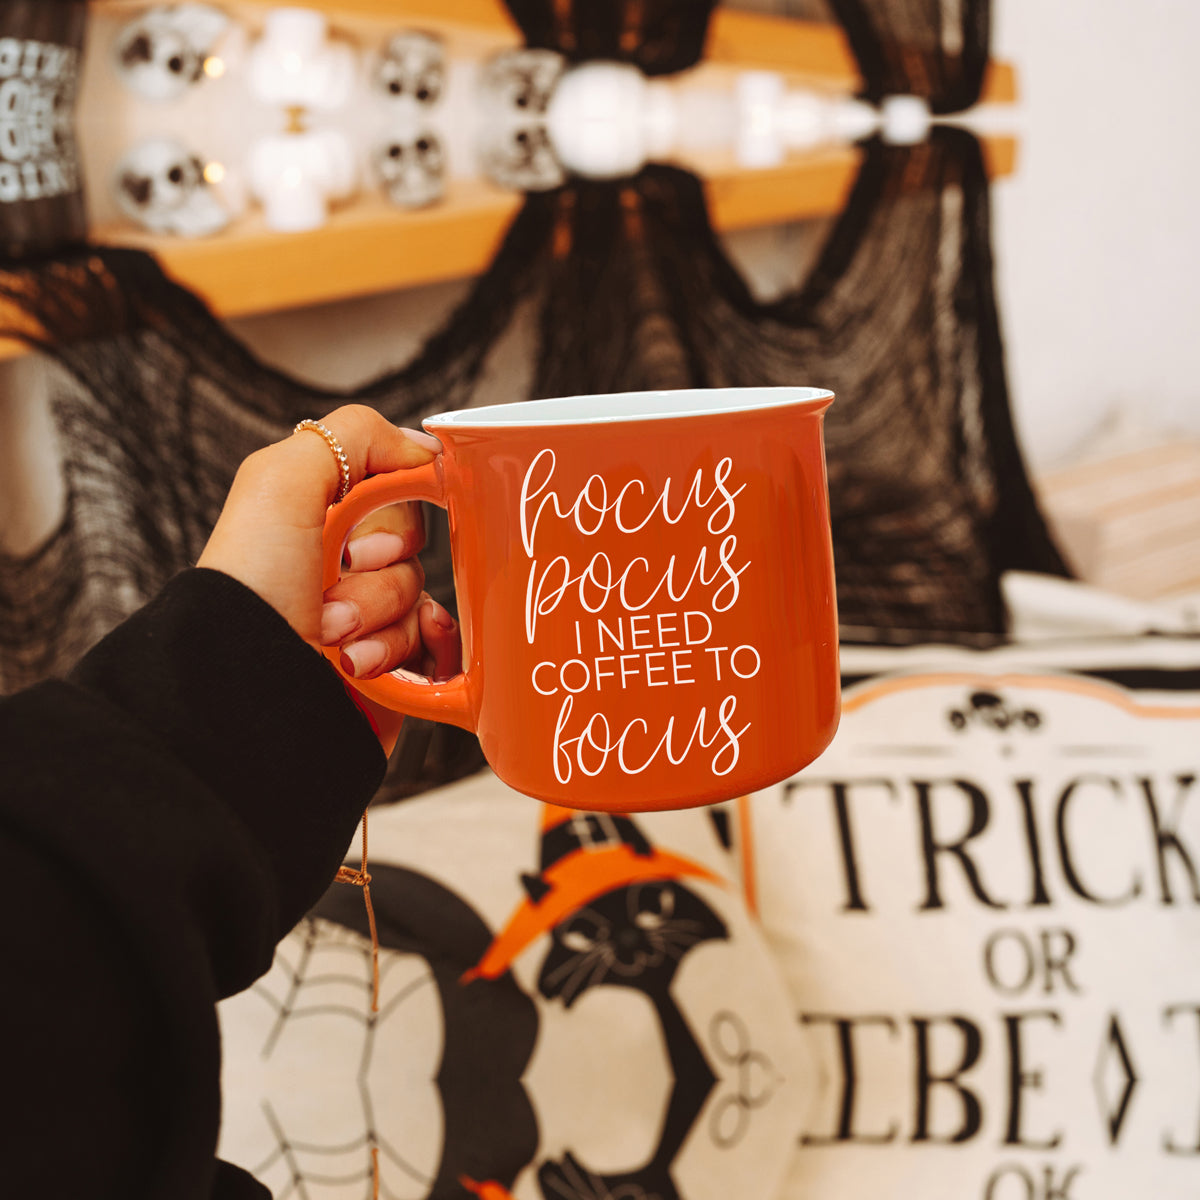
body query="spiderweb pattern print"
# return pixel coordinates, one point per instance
(319, 987)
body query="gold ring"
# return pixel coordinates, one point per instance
(338, 453)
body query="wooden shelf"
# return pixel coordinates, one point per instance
(364, 249)
(371, 248)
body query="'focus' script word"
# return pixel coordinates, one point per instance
(637, 583)
(591, 507)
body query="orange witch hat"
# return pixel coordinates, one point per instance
(584, 855)
(488, 1190)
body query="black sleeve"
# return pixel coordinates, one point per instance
(166, 815)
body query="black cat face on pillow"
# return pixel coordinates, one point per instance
(633, 936)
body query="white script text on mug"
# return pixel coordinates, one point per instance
(634, 586)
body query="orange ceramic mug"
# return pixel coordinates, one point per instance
(645, 590)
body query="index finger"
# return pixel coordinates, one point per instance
(372, 446)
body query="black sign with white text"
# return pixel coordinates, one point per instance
(41, 202)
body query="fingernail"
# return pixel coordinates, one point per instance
(421, 438)
(363, 658)
(374, 550)
(338, 618)
(440, 616)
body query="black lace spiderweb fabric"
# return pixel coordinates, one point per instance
(157, 406)
(660, 37)
(930, 500)
(626, 287)
(936, 49)
(930, 48)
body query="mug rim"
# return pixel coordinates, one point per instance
(611, 408)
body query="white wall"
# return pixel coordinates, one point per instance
(1097, 235)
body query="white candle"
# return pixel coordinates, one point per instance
(296, 64)
(296, 176)
(606, 120)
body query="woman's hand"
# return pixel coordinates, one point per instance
(269, 538)
(383, 578)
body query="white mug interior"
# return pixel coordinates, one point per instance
(629, 406)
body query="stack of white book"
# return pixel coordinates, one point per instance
(1129, 519)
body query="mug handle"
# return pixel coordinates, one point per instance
(447, 701)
